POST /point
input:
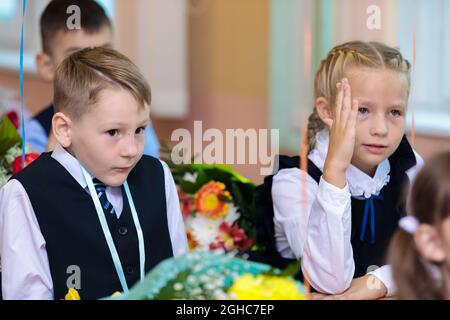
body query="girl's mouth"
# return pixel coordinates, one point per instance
(375, 148)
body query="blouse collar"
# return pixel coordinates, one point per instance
(360, 184)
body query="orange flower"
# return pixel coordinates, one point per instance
(208, 200)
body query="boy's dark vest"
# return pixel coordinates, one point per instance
(387, 214)
(45, 118)
(74, 238)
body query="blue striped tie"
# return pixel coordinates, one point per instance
(100, 188)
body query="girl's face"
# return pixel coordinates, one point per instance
(382, 95)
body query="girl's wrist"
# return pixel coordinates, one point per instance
(334, 176)
(336, 167)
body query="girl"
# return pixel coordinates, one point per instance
(420, 250)
(359, 160)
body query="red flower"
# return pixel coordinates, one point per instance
(14, 118)
(231, 237)
(29, 158)
(185, 203)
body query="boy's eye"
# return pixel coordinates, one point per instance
(363, 110)
(140, 130)
(396, 113)
(112, 132)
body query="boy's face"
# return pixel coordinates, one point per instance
(68, 42)
(382, 96)
(109, 139)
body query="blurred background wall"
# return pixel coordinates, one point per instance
(250, 63)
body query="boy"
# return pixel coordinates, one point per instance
(57, 214)
(57, 43)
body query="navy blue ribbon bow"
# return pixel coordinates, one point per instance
(369, 206)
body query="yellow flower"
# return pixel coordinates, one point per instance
(72, 294)
(263, 287)
(207, 201)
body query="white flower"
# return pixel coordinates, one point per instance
(4, 177)
(178, 286)
(232, 215)
(15, 152)
(204, 229)
(191, 177)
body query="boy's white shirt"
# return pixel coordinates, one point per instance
(25, 267)
(318, 228)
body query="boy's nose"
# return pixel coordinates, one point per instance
(130, 146)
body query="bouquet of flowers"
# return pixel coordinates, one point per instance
(217, 205)
(214, 275)
(11, 148)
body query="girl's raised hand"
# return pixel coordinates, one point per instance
(342, 136)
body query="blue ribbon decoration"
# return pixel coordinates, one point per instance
(369, 206)
(22, 121)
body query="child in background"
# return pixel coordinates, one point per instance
(58, 42)
(95, 214)
(420, 250)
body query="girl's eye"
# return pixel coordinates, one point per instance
(396, 113)
(113, 132)
(140, 130)
(363, 110)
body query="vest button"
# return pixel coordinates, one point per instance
(122, 230)
(129, 269)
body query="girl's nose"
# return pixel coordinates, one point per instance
(379, 126)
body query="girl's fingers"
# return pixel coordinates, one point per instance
(346, 104)
(351, 124)
(328, 122)
(338, 106)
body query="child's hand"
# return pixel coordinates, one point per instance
(342, 136)
(367, 287)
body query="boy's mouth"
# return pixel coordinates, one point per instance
(122, 169)
(375, 148)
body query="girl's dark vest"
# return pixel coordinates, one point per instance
(387, 214)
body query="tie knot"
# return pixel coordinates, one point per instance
(100, 189)
(98, 185)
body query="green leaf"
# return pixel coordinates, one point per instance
(202, 179)
(168, 292)
(223, 168)
(8, 135)
(291, 270)
(187, 186)
(225, 198)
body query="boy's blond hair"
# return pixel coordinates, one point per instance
(81, 77)
(340, 59)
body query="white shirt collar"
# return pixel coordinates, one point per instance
(70, 163)
(360, 184)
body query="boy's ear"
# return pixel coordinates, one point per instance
(45, 66)
(62, 129)
(429, 243)
(323, 108)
